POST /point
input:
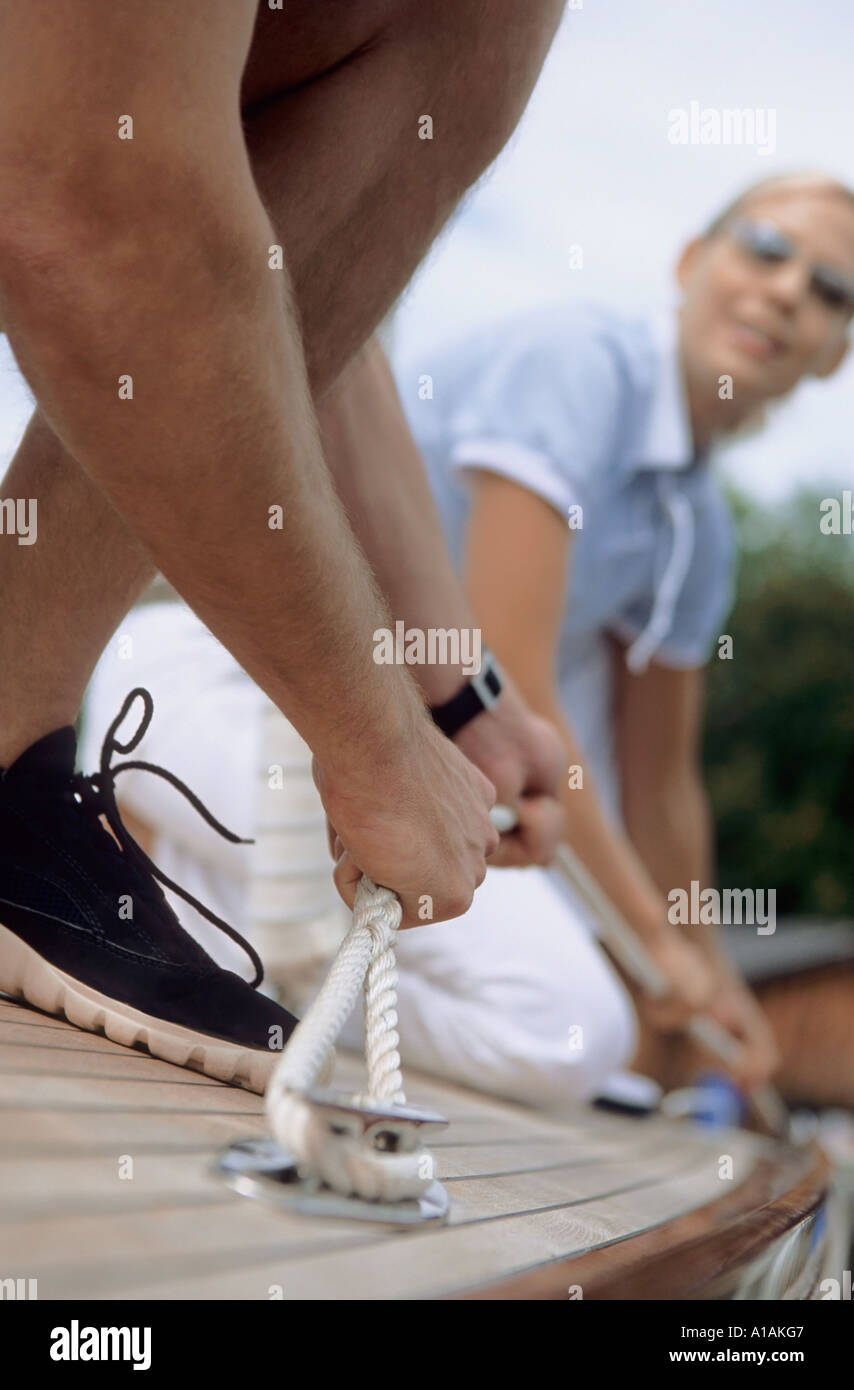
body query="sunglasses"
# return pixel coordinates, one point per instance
(765, 242)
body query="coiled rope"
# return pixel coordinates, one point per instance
(355, 1154)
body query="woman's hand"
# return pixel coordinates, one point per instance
(689, 976)
(738, 1010)
(668, 1053)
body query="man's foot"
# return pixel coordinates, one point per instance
(85, 930)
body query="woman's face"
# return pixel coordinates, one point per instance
(764, 322)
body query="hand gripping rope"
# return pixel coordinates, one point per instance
(365, 1146)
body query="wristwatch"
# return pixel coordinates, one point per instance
(480, 692)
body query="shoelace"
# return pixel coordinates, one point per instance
(96, 792)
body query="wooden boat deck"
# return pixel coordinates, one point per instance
(586, 1200)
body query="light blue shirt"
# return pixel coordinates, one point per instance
(583, 407)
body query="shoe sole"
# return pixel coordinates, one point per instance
(24, 974)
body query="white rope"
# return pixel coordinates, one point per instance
(341, 1149)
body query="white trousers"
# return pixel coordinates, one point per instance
(515, 997)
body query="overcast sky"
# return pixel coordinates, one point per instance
(592, 166)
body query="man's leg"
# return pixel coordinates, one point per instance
(336, 186)
(356, 193)
(356, 211)
(63, 596)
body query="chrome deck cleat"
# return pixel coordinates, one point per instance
(259, 1168)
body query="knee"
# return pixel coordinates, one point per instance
(479, 64)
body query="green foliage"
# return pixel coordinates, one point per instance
(780, 732)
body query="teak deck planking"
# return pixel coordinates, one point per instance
(527, 1190)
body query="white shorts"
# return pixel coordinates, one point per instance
(515, 997)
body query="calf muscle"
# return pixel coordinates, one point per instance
(345, 248)
(220, 429)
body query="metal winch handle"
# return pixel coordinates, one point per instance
(627, 948)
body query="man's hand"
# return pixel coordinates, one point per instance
(523, 757)
(417, 823)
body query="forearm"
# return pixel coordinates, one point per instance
(220, 429)
(381, 480)
(670, 827)
(671, 830)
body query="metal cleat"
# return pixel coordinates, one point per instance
(259, 1168)
(392, 1128)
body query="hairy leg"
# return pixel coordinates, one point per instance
(356, 197)
(63, 596)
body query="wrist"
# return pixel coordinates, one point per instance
(479, 694)
(439, 683)
(440, 679)
(650, 922)
(378, 735)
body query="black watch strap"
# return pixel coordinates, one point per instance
(480, 692)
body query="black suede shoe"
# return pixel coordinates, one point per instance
(85, 930)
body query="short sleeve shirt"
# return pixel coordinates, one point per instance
(586, 409)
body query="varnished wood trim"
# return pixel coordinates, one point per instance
(698, 1255)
